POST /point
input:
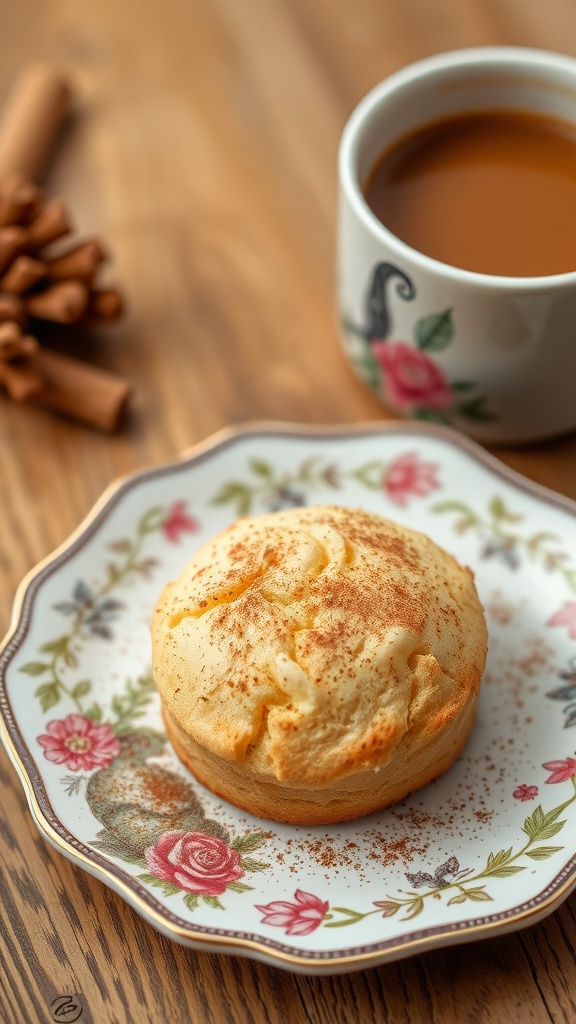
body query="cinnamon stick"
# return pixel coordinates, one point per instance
(104, 304)
(84, 392)
(19, 199)
(21, 380)
(34, 115)
(17, 372)
(10, 335)
(50, 223)
(62, 303)
(81, 262)
(12, 308)
(12, 242)
(22, 274)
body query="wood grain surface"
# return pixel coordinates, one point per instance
(204, 151)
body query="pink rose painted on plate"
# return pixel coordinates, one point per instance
(177, 522)
(198, 863)
(299, 918)
(407, 476)
(79, 744)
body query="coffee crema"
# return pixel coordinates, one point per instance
(492, 192)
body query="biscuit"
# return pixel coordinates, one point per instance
(319, 664)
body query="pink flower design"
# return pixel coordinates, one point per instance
(565, 617)
(407, 476)
(178, 522)
(411, 378)
(195, 862)
(524, 792)
(299, 918)
(79, 743)
(561, 770)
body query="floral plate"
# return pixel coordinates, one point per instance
(488, 847)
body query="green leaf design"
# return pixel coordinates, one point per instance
(214, 902)
(109, 843)
(369, 369)
(499, 511)
(540, 538)
(56, 647)
(497, 508)
(191, 900)
(479, 895)
(308, 469)
(94, 713)
(234, 493)
(350, 917)
(261, 468)
(506, 871)
(81, 689)
(48, 694)
(35, 668)
(543, 852)
(415, 908)
(370, 475)
(431, 416)
(249, 842)
(452, 506)
(467, 517)
(460, 898)
(70, 658)
(151, 520)
(240, 887)
(120, 547)
(474, 410)
(435, 332)
(540, 826)
(388, 907)
(496, 860)
(168, 888)
(130, 706)
(249, 864)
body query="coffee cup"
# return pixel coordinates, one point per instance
(488, 351)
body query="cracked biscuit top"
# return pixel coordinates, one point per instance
(308, 644)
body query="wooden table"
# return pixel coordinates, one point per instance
(205, 152)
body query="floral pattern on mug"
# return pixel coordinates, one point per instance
(406, 373)
(412, 379)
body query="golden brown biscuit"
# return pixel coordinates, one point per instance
(318, 664)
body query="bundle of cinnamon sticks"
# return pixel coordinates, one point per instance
(39, 284)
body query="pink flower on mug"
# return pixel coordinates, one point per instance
(524, 792)
(195, 862)
(411, 378)
(408, 477)
(177, 522)
(299, 918)
(561, 770)
(566, 616)
(79, 743)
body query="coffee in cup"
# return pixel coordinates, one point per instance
(457, 300)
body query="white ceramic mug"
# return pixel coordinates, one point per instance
(493, 356)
